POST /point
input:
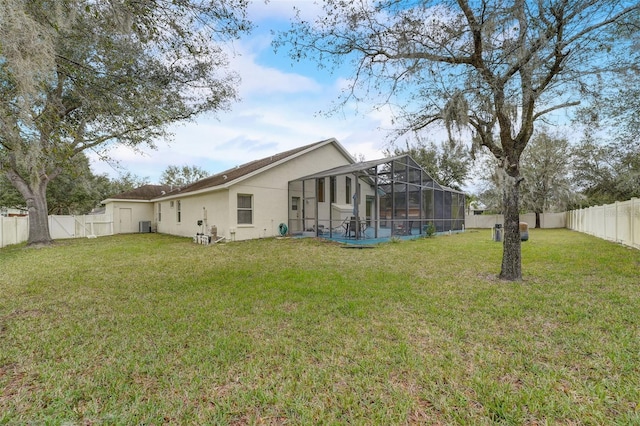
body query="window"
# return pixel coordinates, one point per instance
(159, 212)
(245, 210)
(295, 201)
(320, 190)
(332, 188)
(179, 210)
(347, 190)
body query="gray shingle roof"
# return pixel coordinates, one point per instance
(149, 192)
(144, 192)
(239, 171)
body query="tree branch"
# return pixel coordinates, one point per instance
(556, 107)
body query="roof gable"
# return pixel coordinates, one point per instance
(144, 192)
(240, 172)
(227, 177)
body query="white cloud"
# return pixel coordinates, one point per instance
(283, 10)
(278, 111)
(263, 80)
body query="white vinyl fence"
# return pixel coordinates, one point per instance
(547, 220)
(619, 222)
(14, 230)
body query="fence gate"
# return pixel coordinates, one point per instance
(62, 227)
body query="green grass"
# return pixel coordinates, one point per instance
(153, 329)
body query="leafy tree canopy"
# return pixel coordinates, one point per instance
(78, 75)
(76, 190)
(546, 166)
(182, 175)
(447, 164)
(606, 173)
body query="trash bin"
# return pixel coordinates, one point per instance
(524, 231)
(497, 232)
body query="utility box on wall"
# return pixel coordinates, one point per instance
(144, 226)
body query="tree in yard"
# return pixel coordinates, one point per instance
(123, 183)
(78, 76)
(606, 173)
(487, 68)
(546, 184)
(607, 160)
(76, 190)
(490, 192)
(448, 165)
(546, 172)
(182, 175)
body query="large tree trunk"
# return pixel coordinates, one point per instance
(511, 248)
(38, 219)
(35, 195)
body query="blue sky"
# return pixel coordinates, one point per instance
(278, 110)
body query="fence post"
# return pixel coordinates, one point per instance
(635, 218)
(617, 222)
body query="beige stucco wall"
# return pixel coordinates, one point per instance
(270, 190)
(127, 215)
(270, 200)
(211, 208)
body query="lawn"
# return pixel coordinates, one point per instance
(153, 329)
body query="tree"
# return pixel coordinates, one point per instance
(490, 192)
(607, 161)
(123, 183)
(616, 105)
(182, 175)
(76, 190)
(77, 76)
(545, 169)
(448, 165)
(606, 173)
(489, 68)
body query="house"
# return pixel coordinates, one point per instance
(246, 202)
(316, 189)
(13, 212)
(130, 208)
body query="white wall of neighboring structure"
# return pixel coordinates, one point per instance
(547, 220)
(127, 215)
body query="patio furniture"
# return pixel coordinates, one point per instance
(355, 227)
(402, 228)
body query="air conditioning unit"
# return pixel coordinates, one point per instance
(145, 226)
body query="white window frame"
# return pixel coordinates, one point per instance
(244, 209)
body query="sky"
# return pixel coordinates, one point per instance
(279, 109)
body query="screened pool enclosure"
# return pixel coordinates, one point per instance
(373, 200)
